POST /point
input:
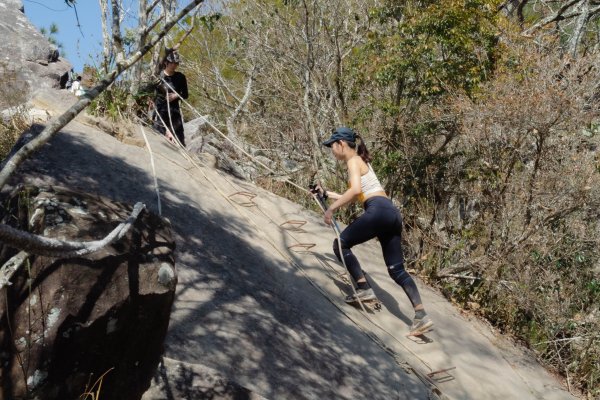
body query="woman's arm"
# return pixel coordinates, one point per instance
(333, 195)
(349, 195)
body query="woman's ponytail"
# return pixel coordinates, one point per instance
(362, 150)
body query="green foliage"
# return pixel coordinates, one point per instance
(50, 34)
(421, 53)
(111, 103)
(593, 288)
(117, 103)
(129, 38)
(210, 21)
(426, 48)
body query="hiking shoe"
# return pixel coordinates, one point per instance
(362, 294)
(421, 325)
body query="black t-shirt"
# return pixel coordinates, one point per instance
(176, 82)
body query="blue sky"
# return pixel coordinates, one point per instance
(81, 44)
(80, 48)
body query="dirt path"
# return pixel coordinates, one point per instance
(259, 299)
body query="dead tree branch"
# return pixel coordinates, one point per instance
(35, 244)
(59, 122)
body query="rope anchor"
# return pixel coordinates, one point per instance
(248, 195)
(293, 225)
(444, 378)
(303, 246)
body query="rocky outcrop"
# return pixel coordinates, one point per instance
(69, 325)
(202, 140)
(28, 60)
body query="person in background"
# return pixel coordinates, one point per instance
(76, 87)
(381, 219)
(169, 90)
(66, 80)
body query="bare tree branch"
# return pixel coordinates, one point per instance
(584, 9)
(41, 245)
(59, 122)
(557, 16)
(186, 34)
(11, 266)
(231, 130)
(153, 5)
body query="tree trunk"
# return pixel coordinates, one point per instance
(136, 70)
(106, 46)
(231, 120)
(580, 26)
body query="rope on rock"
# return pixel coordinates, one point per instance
(237, 146)
(434, 391)
(156, 188)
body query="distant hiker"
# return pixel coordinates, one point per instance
(381, 219)
(70, 79)
(167, 95)
(76, 87)
(66, 80)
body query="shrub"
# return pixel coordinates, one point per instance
(508, 224)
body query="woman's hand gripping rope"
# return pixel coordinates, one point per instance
(320, 195)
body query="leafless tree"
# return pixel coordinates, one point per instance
(569, 18)
(121, 65)
(150, 14)
(516, 231)
(286, 85)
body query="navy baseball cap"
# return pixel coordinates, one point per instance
(341, 133)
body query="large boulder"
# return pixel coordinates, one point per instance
(21, 40)
(197, 129)
(67, 324)
(201, 141)
(28, 58)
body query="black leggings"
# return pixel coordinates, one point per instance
(382, 220)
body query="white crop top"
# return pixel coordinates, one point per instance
(369, 183)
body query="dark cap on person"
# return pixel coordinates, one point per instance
(173, 57)
(341, 133)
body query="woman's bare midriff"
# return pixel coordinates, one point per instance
(374, 194)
